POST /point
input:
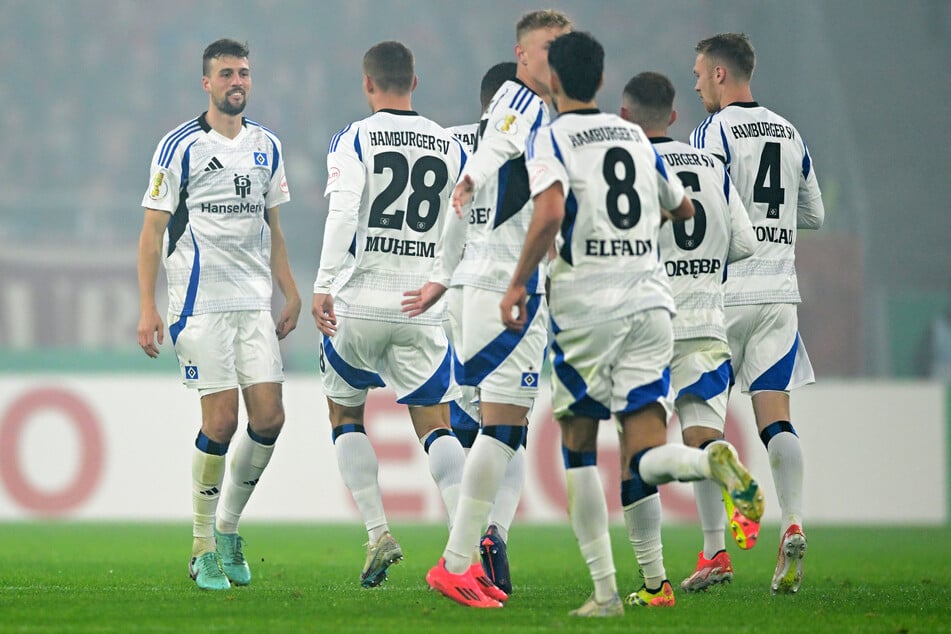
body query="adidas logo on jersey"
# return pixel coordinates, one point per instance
(214, 164)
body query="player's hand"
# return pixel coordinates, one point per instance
(462, 194)
(322, 309)
(514, 308)
(150, 325)
(289, 315)
(419, 301)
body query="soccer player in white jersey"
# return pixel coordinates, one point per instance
(211, 213)
(464, 412)
(695, 256)
(600, 190)
(773, 173)
(390, 177)
(504, 365)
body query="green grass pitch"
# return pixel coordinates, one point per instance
(116, 577)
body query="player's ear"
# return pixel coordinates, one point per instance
(415, 83)
(367, 85)
(600, 83)
(673, 117)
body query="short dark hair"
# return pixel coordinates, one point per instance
(652, 97)
(225, 47)
(493, 80)
(733, 49)
(578, 60)
(543, 19)
(391, 67)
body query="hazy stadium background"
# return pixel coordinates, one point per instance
(88, 88)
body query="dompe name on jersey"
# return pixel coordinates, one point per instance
(676, 159)
(693, 268)
(414, 248)
(607, 133)
(774, 234)
(402, 138)
(762, 128)
(237, 208)
(611, 248)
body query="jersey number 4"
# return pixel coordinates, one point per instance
(382, 217)
(771, 193)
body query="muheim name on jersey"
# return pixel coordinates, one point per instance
(762, 128)
(233, 208)
(395, 246)
(604, 133)
(617, 247)
(402, 138)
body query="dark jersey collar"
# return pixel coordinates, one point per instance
(744, 104)
(203, 122)
(407, 113)
(660, 139)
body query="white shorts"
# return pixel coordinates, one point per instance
(222, 351)
(413, 359)
(700, 375)
(505, 365)
(618, 366)
(768, 354)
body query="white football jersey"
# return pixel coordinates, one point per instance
(402, 167)
(615, 185)
(774, 175)
(695, 252)
(466, 133)
(218, 244)
(501, 208)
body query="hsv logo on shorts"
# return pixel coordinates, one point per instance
(191, 373)
(529, 379)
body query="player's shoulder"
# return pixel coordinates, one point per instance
(259, 128)
(179, 137)
(514, 97)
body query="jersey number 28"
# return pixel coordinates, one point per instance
(384, 218)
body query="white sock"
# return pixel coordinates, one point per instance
(248, 460)
(485, 466)
(785, 459)
(359, 468)
(510, 492)
(642, 519)
(673, 462)
(713, 518)
(588, 511)
(446, 462)
(208, 474)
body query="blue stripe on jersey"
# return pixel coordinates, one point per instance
(525, 101)
(806, 162)
(554, 145)
(190, 293)
(356, 146)
(171, 144)
(355, 377)
(659, 164)
(266, 129)
(186, 164)
(519, 94)
(555, 328)
(710, 384)
(496, 351)
(276, 157)
(697, 138)
(726, 146)
(726, 185)
(568, 227)
(336, 138)
(462, 156)
(642, 396)
(530, 145)
(432, 391)
(583, 405)
(777, 377)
